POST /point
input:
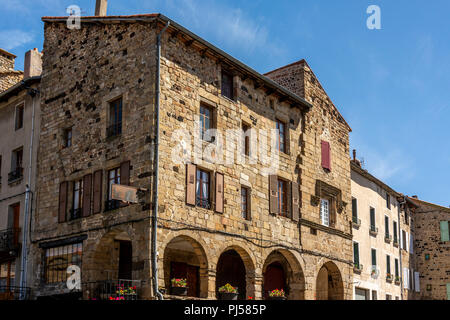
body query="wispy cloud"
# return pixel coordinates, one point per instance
(11, 39)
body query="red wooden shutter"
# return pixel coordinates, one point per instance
(97, 202)
(62, 210)
(326, 155)
(220, 184)
(125, 173)
(295, 201)
(273, 194)
(87, 190)
(191, 172)
(249, 204)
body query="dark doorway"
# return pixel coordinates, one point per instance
(125, 260)
(274, 278)
(179, 270)
(231, 269)
(15, 222)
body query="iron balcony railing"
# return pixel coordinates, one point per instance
(76, 213)
(112, 290)
(114, 130)
(9, 239)
(15, 175)
(203, 203)
(387, 238)
(14, 293)
(373, 230)
(356, 222)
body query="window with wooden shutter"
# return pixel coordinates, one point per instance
(87, 190)
(62, 211)
(191, 171)
(219, 192)
(326, 155)
(246, 203)
(445, 231)
(97, 200)
(295, 202)
(125, 173)
(417, 281)
(356, 254)
(355, 210)
(273, 194)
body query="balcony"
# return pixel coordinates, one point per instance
(14, 293)
(9, 240)
(373, 231)
(397, 280)
(389, 278)
(112, 290)
(387, 238)
(15, 175)
(357, 268)
(395, 242)
(114, 130)
(356, 223)
(203, 203)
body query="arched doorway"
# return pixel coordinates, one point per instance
(329, 285)
(231, 269)
(184, 258)
(283, 271)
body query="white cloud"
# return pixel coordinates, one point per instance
(11, 39)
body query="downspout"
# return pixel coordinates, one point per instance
(402, 204)
(156, 184)
(23, 265)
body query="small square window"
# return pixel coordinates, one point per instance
(68, 138)
(115, 118)
(427, 257)
(281, 141)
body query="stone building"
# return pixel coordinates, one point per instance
(19, 123)
(432, 249)
(248, 223)
(8, 76)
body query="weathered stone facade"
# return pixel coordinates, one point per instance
(432, 250)
(8, 76)
(86, 69)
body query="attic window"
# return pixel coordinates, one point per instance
(227, 85)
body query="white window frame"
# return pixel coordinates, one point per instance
(325, 212)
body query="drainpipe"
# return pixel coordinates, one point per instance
(402, 204)
(155, 202)
(23, 266)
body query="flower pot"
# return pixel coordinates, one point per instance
(179, 291)
(228, 296)
(277, 298)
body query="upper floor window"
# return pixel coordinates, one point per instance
(245, 203)
(388, 200)
(356, 254)
(374, 257)
(354, 210)
(77, 200)
(326, 155)
(388, 264)
(115, 118)
(58, 259)
(372, 220)
(445, 231)
(227, 85)
(68, 138)
(246, 139)
(19, 117)
(113, 178)
(16, 165)
(203, 198)
(394, 228)
(282, 198)
(386, 226)
(206, 122)
(325, 212)
(281, 140)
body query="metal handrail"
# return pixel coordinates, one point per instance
(15, 175)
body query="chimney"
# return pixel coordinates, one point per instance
(33, 64)
(354, 154)
(100, 8)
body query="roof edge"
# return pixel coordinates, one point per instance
(368, 175)
(15, 89)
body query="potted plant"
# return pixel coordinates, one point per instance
(228, 292)
(389, 277)
(179, 287)
(277, 295)
(397, 280)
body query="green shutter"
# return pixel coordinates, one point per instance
(355, 208)
(448, 291)
(356, 254)
(444, 232)
(374, 257)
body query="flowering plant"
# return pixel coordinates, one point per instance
(276, 293)
(121, 290)
(116, 298)
(179, 283)
(228, 288)
(250, 298)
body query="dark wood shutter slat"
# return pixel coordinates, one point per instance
(273, 194)
(62, 210)
(220, 187)
(191, 176)
(249, 204)
(87, 191)
(125, 173)
(295, 201)
(326, 155)
(97, 202)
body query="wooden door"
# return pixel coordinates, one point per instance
(193, 281)
(125, 260)
(274, 278)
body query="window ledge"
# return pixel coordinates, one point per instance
(229, 99)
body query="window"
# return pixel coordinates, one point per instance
(388, 201)
(356, 255)
(374, 295)
(227, 85)
(281, 141)
(203, 189)
(282, 198)
(68, 138)
(403, 240)
(245, 203)
(113, 178)
(386, 226)
(445, 231)
(395, 232)
(19, 117)
(372, 220)
(206, 122)
(325, 212)
(355, 210)
(77, 200)
(388, 297)
(246, 139)
(388, 264)
(7, 274)
(115, 118)
(16, 165)
(374, 258)
(58, 259)
(326, 155)
(396, 270)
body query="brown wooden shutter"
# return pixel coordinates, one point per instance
(289, 199)
(249, 204)
(326, 155)
(87, 191)
(97, 202)
(125, 173)
(220, 185)
(295, 201)
(273, 194)
(191, 174)
(288, 138)
(62, 210)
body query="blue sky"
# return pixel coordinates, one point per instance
(392, 85)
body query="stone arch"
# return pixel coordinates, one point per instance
(184, 257)
(285, 264)
(329, 283)
(235, 257)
